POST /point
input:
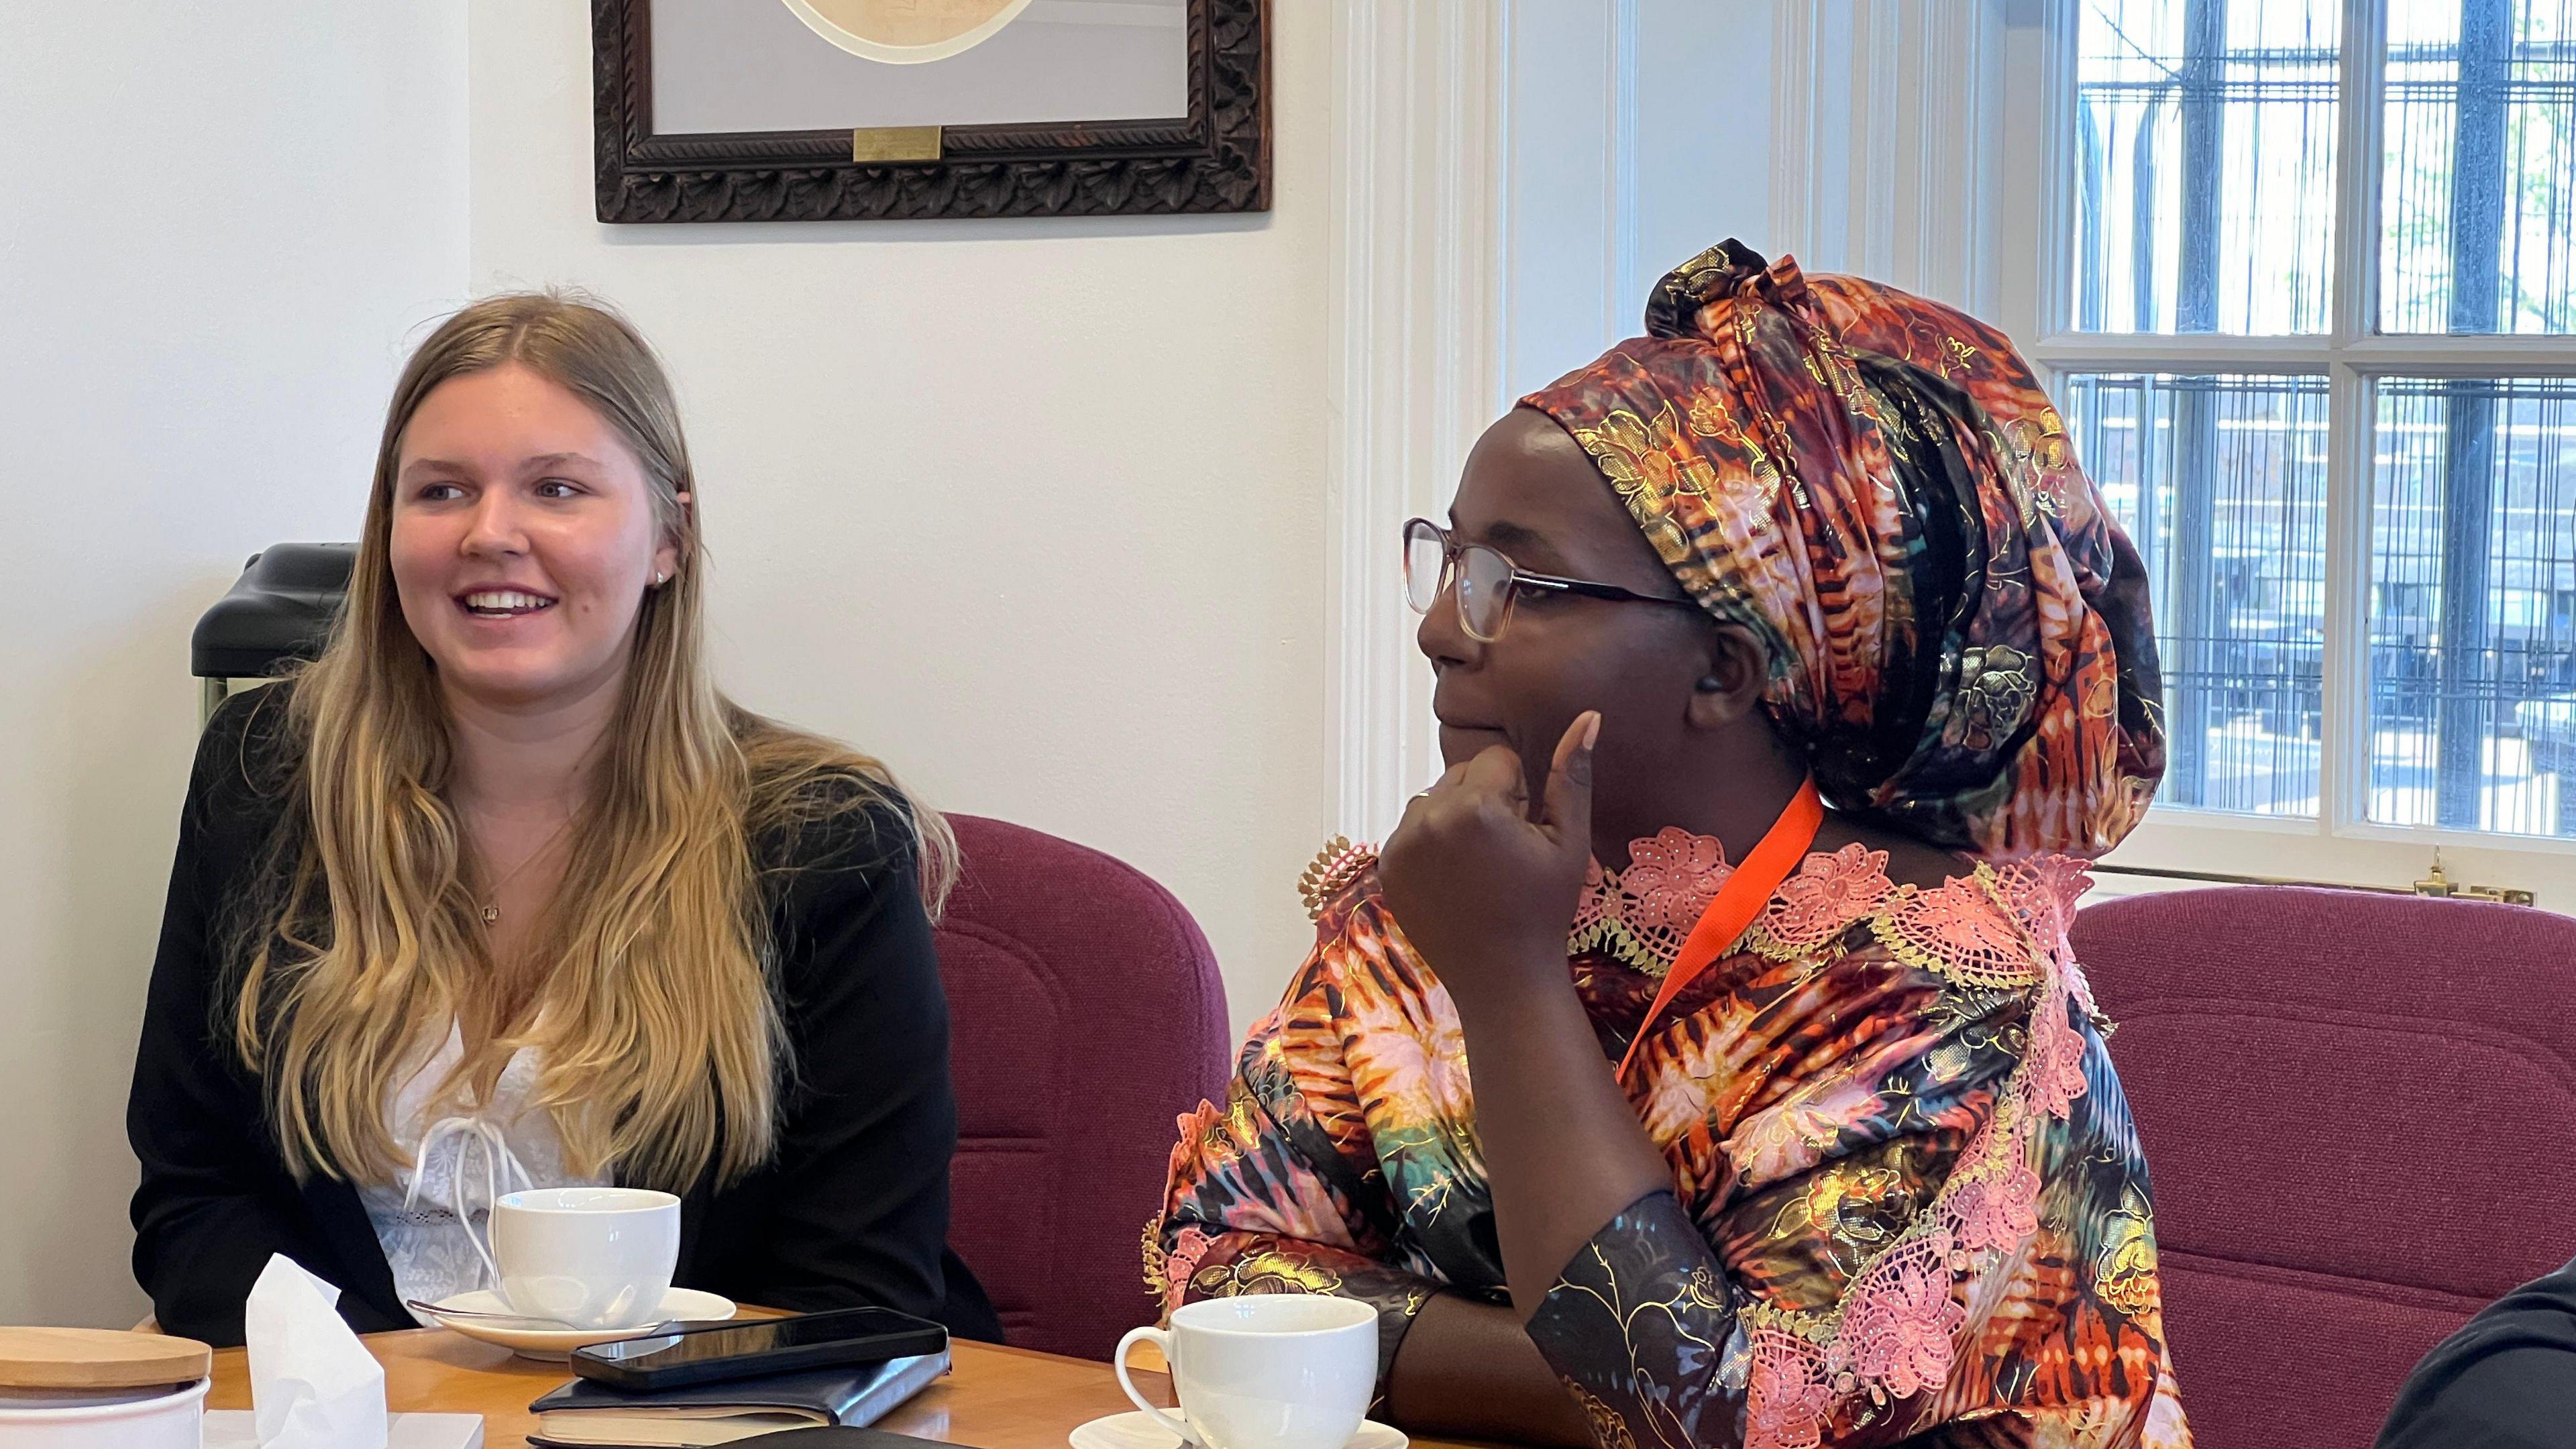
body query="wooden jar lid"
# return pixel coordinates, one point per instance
(97, 1358)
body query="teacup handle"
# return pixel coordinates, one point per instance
(1162, 1340)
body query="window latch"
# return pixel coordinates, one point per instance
(2442, 887)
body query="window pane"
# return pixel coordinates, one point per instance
(2478, 194)
(2221, 483)
(2473, 577)
(2204, 164)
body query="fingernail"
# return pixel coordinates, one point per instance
(1592, 731)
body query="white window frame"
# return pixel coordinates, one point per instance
(2341, 845)
(1955, 108)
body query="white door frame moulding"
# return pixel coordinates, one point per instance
(1416, 342)
(1625, 289)
(1887, 126)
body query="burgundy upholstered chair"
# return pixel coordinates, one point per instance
(1087, 1015)
(2356, 1111)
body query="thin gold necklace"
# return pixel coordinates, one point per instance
(492, 898)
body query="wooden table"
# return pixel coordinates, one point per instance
(996, 1398)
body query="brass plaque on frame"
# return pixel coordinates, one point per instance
(894, 143)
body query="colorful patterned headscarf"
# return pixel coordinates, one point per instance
(1875, 485)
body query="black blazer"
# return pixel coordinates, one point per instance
(852, 1210)
(2506, 1380)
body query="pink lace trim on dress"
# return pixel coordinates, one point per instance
(1998, 929)
(1643, 914)
(1824, 898)
(1188, 1246)
(1896, 1333)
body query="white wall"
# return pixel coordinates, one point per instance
(221, 224)
(1033, 509)
(1704, 133)
(1638, 136)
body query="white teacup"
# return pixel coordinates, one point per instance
(1265, 1371)
(587, 1257)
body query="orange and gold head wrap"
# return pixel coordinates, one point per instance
(1877, 488)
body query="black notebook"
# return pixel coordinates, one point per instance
(846, 1440)
(588, 1414)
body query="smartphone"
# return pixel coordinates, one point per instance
(710, 1353)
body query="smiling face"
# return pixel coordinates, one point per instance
(1678, 693)
(523, 538)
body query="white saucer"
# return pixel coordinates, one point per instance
(1139, 1431)
(556, 1344)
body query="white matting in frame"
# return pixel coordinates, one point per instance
(806, 65)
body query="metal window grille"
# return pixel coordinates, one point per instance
(2222, 483)
(2205, 200)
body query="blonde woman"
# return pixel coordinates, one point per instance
(501, 890)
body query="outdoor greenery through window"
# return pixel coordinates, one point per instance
(2206, 207)
(2204, 153)
(2478, 198)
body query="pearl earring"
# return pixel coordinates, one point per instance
(659, 577)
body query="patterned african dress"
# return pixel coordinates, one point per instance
(1907, 1199)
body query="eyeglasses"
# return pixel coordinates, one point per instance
(1487, 581)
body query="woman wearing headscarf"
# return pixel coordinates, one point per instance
(1788, 668)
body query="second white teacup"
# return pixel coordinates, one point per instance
(590, 1257)
(1265, 1371)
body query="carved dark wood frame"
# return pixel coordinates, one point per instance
(1217, 159)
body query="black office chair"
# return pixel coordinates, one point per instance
(278, 612)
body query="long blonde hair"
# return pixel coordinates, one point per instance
(655, 1014)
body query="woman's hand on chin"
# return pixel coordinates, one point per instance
(1484, 889)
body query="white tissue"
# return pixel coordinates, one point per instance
(312, 1384)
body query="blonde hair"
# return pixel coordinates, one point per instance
(658, 1028)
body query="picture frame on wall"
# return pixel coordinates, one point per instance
(865, 110)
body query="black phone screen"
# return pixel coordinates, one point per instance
(902, 1334)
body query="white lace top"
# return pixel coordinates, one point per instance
(458, 1165)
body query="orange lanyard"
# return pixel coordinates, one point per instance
(1742, 898)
